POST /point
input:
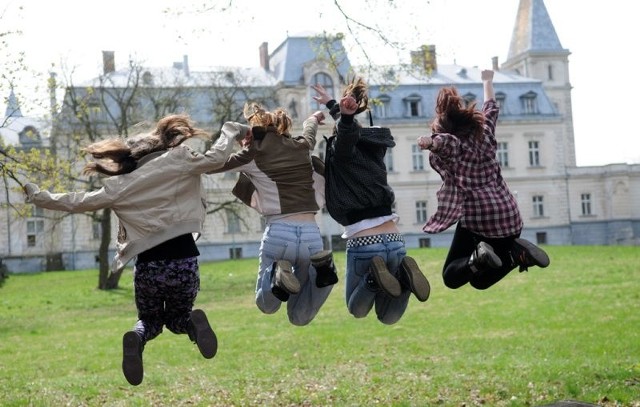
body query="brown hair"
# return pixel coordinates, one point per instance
(453, 117)
(358, 88)
(118, 155)
(256, 115)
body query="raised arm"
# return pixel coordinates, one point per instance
(487, 84)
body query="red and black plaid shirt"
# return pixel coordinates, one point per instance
(473, 191)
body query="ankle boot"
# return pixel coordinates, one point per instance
(379, 278)
(412, 278)
(201, 334)
(132, 348)
(283, 281)
(325, 268)
(484, 257)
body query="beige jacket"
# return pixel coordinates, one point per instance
(161, 199)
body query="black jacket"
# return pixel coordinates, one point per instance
(356, 186)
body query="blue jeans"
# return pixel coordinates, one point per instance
(295, 242)
(360, 297)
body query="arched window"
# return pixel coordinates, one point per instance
(325, 80)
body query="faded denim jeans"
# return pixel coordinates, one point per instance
(295, 242)
(359, 296)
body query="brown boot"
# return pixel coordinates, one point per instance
(382, 279)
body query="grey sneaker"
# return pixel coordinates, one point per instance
(412, 278)
(484, 255)
(384, 280)
(132, 358)
(283, 281)
(526, 254)
(201, 334)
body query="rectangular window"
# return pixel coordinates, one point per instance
(541, 237)
(35, 228)
(415, 108)
(538, 206)
(424, 242)
(585, 201)
(233, 222)
(502, 154)
(381, 109)
(534, 154)
(235, 253)
(417, 158)
(421, 211)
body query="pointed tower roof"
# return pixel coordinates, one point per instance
(13, 107)
(533, 30)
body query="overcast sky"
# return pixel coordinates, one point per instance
(73, 34)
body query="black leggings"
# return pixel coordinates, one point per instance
(456, 271)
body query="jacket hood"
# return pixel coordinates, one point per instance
(377, 135)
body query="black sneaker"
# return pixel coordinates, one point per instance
(484, 255)
(412, 278)
(132, 358)
(283, 282)
(201, 333)
(526, 254)
(325, 268)
(384, 280)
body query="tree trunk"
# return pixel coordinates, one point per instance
(107, 279)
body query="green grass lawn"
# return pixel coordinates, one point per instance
(567, 332)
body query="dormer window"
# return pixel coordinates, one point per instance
(501, 97)
(413, 105)
(381, 106)
(147, 78)
(529, 103)
(469, 99)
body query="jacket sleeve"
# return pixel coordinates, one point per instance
(216, 157)
(309, 131)
(74, 202)
(347, 138)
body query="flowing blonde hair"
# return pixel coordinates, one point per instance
(118, 155)
(256, 115)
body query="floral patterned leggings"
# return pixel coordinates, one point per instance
(165, 291)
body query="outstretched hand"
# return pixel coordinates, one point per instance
(348, 105)
(424, 142)
(323, 96)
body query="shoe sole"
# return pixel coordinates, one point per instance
(418, 283)
(385, 280)
(205, 337)
(491, 258)
(131, 358)
(321, 257)
(285, 279)
(539, 256)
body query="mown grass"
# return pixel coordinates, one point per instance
(568, 332)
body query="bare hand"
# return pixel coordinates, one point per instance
(323, 96)
(348, 105)
(424, 142)
(486, 75)
(247, 140)
(319, 117)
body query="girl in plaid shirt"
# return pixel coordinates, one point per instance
(486, 244)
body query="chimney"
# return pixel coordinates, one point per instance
(264, 56)
(494, 64)
(426, 58)
(108, 62)
(185, 65)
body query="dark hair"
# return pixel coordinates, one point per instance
(118, 155)
(454, 117)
